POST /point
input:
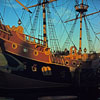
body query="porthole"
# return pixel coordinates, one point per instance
(66, 62)
(14, 45)
(35, 53)
(74, 63)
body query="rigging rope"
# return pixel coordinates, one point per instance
(95, 8)
(16, 14)
(54, 43)
(94, 31)
(90, 43)
(4, 9)
(13, 9)
(62, 23)
(92, 28)
(70, 34)
(34, 24)
(62, 4)
(77, 2)
(29, 22)
(1, 18)
(66, 9)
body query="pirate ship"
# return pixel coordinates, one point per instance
(76, 56)
(29, 59)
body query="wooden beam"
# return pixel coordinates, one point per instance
(23, 6)
(82, 16)
(41, 3)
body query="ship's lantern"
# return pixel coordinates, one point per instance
(85, 50)
(19, 22)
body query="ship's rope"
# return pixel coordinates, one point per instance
(54, 43)
(62, 23)
(32, 23)
(70, 34)
(64, 3)
(68, 3)
(95, 8)
(93, 32)
(35, 21)
(90, 42)
(4, 9)
(1, 18)
(29, 22)
(16, 14)
(77, 2)
(92, 28)
(66, 9)
(13, 9)
(24, 12)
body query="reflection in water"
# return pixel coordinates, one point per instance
(59, 98)
(44, 98)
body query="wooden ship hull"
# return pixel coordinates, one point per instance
(27, 60)
(11, 81)
(30, 58)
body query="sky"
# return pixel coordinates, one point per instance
(11, 11)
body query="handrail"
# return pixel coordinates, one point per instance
(32, 39)
(5, 31)
(82, 16)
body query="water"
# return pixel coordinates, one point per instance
(85, 95)
(44, 98)
(58, 98)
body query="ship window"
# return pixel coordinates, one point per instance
(25, 50)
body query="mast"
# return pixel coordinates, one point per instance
(44, 16)
(80, 40)
(44, 24)
(81, 8)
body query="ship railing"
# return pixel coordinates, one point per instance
(33, 40)
(4, 29)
